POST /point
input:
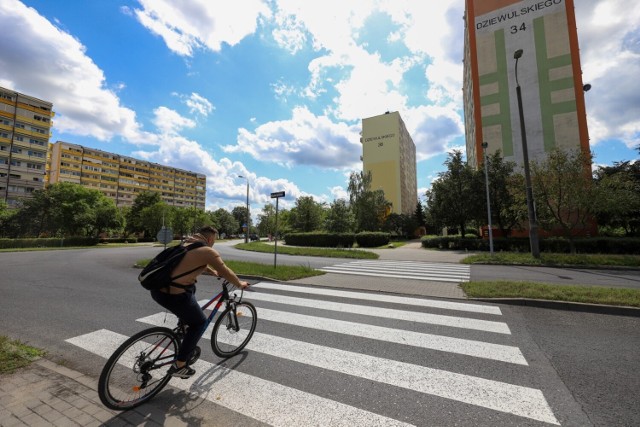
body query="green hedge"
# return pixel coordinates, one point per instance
(48, 242)
(365, 239)
(370, 239)
(120, 240)
(323, 240)
(603, 245)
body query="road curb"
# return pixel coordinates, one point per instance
(615, 310)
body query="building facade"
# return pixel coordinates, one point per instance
(548, 73)
(122, 178)
(25, 128)
(388, 152)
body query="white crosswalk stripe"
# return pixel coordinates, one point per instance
(278, 404)
(437, 272)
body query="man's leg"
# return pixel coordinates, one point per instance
(187, 309)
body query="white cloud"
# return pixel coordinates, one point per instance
(44, 61)
(305, 139)
(610, 56)
(188, 25)
(199, 104)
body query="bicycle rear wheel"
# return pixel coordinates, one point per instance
(137, 370)
(233, 329)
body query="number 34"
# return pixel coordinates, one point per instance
(515, 28)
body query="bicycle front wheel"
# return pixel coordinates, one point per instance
(137, 370)
(233, 329)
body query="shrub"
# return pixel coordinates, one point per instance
(370, 239)
(47, 242)
(319, 239)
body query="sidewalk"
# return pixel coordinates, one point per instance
(409, 252)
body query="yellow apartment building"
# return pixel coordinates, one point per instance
(25, 128)
(122, 178)
(388, 152)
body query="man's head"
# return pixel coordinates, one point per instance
(209, 233)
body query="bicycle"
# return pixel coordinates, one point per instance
(138, 369)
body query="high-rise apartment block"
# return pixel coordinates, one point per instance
(122, 178)
(25, 127)
(388, 152)
(548, 73)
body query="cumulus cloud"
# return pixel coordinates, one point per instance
(188, 25)
(41, 59)
(610, 57)
(305, 139)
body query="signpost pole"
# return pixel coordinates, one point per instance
(276, 196)
(275, 252)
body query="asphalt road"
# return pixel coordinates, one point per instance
(585, 364)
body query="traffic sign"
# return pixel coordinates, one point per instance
(165, 235)
(277, 194)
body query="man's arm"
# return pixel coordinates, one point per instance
(221, 269)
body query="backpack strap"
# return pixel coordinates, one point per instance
(194, 245)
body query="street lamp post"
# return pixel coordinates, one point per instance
(486, 183)
(533, 222)
(246, 234)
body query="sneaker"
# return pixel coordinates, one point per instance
(184, 372)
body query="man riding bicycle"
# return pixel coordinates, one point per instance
(179, 297)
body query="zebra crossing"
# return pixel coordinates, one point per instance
(413, 270)
(316, 349)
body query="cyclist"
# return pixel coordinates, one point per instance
(180, 298)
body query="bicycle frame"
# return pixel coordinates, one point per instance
(221, 297)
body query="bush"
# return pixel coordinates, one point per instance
(121, 240)
(319, 239)
(601, 245)
(47, 242)
(369, 239)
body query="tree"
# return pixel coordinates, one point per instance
(240, 214)
(419, 215)
(619, 187)
(455, 198)
(564, 192)
(339, 218)
(227, 224)
(370, 208)
(151, 217)
(307, 215)
(107, 216)
(267, 220)
(143, 200)
(507, 195)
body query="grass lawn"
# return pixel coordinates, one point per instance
(555, 260)
(307, 251)
(14, 355)
(281, 272)
(584, 294)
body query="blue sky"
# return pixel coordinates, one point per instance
(275, 90)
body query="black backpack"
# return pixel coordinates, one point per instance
(157, 274)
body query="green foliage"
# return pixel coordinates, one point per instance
(225, 221)
(267, 220)
(307, 215)
(369, 207)
(368, 239)
(619, 188)
(135, 223)
(48, 242)
(603, 245)
(321, 239)
(340, 218)
(506, 193)
(455, 198)
(564, 192)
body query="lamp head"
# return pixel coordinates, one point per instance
(485, 145)
(586, 87)
(517, 54)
